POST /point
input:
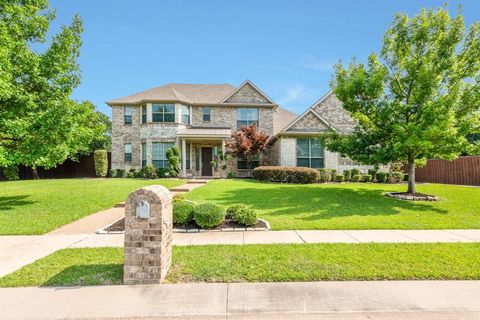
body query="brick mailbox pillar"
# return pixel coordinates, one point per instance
(148, 235)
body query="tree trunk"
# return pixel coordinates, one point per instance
(411, 176)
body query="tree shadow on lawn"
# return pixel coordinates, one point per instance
(325, 202)
(87, 274)
(10, 202)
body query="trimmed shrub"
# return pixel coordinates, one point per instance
(396, 176)
(173, 157)
(367, 178)
(356, 178)
(333, 173)
(245, 216)
(347, 175)
(121, 173)
(100, 160)
(183, 212)
(339, 178)
(179, 197)
(325, 175)
(208, 215)
(286, 174)
(232, 210)
(148, 172)
(231, 175)
(129, 174)
(112, 173)
(372, 172)
(11, 173)
(381, 176)
(355, 171)
(162, 172)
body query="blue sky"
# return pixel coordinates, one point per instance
(287, 48)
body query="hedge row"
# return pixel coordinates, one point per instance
(286, 174)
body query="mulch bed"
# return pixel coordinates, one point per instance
(227, 224)
(412, 196)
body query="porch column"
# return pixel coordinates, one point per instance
(184, 158)
(223, 147)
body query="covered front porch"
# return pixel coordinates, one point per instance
(200, 146)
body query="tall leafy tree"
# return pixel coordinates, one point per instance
(247, 143)
(40, 125)
(418, 99)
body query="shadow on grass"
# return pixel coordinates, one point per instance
(89, 274)
(10, 202)
(323, 202)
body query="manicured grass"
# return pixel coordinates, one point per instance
(347, 205)
(39, 206)
(251, 263)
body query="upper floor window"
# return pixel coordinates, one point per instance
(128, 152)
(309, 153)
(144, 154)
(247, 116)
(185, 114)
(144, 114)
(206, 114)
(127, 115)
(159, 153)
(163, 112)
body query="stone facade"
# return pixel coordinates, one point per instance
(247, 94)
(309, 122)
(125, 133)
(330, 108)
(148, 241)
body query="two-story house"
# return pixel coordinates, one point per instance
(200, 119)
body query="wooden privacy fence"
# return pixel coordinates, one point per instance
(463, 170)
(83, 168)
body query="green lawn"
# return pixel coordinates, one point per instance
(348, 205)
(39, 206)
(251, 263)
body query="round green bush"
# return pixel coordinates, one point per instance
(148, 172)
(245, 216)
(356, 178)
(381, 176)
(367, 178)
(112, 173)
(232, 210)
(355, 172)
(183, 212)
(208, 215)
(396, 176)
(339, 178)
(347, 174)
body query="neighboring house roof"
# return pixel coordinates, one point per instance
(200, 94)
(324, 115)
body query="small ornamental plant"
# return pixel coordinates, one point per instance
(183, 212)
(208, 215)
(367, 178)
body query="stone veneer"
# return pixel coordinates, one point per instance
(148, 242)
(247, 94)
(331, 110)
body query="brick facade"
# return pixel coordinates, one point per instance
(148, 241)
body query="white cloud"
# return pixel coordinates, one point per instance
(315, 64)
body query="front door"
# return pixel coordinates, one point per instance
(206, 159)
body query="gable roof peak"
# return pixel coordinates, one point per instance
(260, 95)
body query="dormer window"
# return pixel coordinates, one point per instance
(163, 112)
(127, 114)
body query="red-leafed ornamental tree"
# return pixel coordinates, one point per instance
(247, 143)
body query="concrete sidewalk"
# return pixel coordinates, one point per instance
(308, 300)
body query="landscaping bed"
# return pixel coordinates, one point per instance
(227, 225)
(264, 263)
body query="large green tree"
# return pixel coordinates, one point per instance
(40, 125)
(418, 99)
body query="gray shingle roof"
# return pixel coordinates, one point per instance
(189, 93)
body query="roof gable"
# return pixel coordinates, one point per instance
(247, 92)
(309, 122)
